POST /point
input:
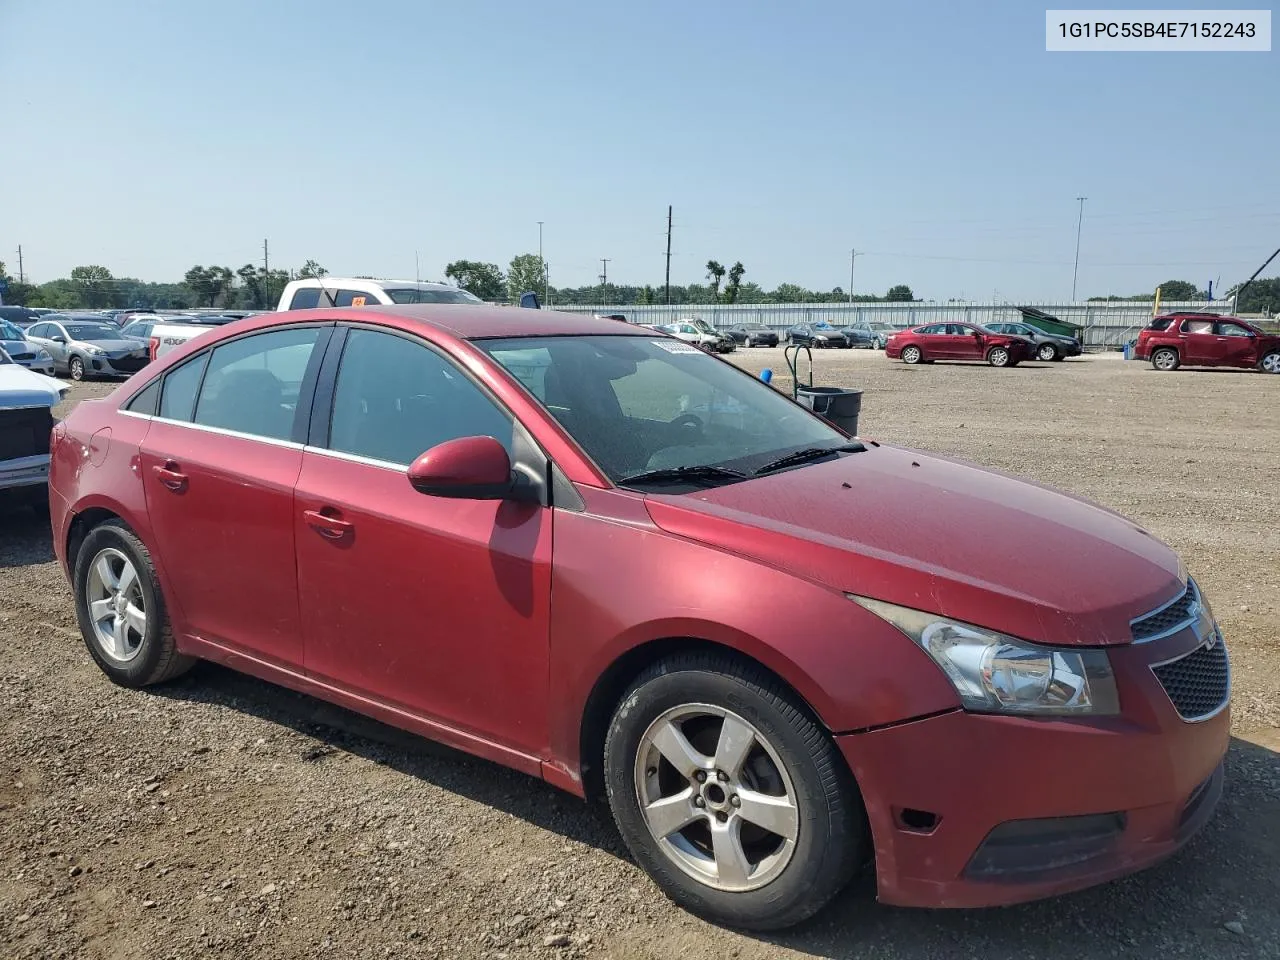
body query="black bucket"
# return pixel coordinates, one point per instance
(834, 404)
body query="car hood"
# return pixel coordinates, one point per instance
(20, 387)
(943, 536)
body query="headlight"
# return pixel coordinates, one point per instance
(994, 673)
(90, 348)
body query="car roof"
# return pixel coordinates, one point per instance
(474, 322)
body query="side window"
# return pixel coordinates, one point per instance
(933, 329)
(305, 299)
(529, 367)
(253, 384)
(145, 400)
(1197, 326)
(395, 399)
(1225, 329)
(354, 298)
(38, 330)
(178, 395)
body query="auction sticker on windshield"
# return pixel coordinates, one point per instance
(675, 346)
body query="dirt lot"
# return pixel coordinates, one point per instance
(222, 816)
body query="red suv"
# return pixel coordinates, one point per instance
(958, 341)
(1207, 340)
(593, 553)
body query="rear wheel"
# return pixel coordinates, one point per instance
(1047, 352)
(1165, 359)
(1271, 362)
(998, 357)
(730, 796)
(911, 355)
(121, 610)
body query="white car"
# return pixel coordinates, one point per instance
(13, 340)
(358, 292)
(27, 400)
(701, 334)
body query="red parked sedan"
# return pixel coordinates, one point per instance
(958, 341)
(1207, 340)
(602, 557)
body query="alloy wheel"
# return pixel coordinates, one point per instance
(716, 797)
(77, 368)
(911, 355)
(1047, 352)
(1165, 360)
(117, 606)
(1271, 362)
(998, 357)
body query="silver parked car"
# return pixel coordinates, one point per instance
(23, 352)
(88, 346)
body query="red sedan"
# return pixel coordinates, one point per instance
(595, 554)
(958, 341)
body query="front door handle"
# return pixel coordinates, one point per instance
(327, 525)
(171, 477)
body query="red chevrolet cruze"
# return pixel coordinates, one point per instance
(598, 555)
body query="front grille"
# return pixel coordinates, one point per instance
(129, 364)
(1171, 617)
(1199, 683)
(25, 433)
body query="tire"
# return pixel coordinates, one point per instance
(76, 368)
(1165, 359)
(788, 755)
(998, 357)
(153, 657)
(1047, 352)
(911, 354)
(1270, 363)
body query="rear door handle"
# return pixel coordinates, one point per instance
(327, 525)
(171, 477)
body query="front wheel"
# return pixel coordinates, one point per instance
(1047, 352)
(998, 357)
(730, 796)
(77, 368)
(1165, 359)
(911, 355)
(1271, 362)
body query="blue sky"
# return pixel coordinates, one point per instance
(939, 137)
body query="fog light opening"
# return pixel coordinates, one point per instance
(916, 821)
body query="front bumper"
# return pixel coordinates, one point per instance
(949, 798)
(23, 472)
(104, 366)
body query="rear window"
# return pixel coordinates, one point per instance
(1160, 323)
(431, 296)
(305, 299)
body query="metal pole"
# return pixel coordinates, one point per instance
(542, 265)
(667, 296)
(22, 277)
(1076, 270)
(604, 277)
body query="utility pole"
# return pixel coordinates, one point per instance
(604, 278)
(853, 256)
(667, 296)
(266, 274)
(22, 277)
(542, 264)
(1075, 272)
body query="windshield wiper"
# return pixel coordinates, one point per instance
(807, 454)
(704, 473)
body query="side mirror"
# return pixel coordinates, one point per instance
(58, 339)
(468, 468)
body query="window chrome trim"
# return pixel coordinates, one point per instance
(1193, 614)
(1208, 643)
(357, 458)
(220, 431)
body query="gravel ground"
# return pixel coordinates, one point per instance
(222, 816)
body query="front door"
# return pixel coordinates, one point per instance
(435, 606)
(1237, 344)
(219, 465)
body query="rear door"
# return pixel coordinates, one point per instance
(219, 464)
(1199, 343)
(1237, 345)
(435, 606)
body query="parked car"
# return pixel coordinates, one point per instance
(1207, 340)
(23, 352)
(84, 345)
(753, 335)
(27, 400)
(958, 341)
(611, 316)
(140, 329)
(20, 317)
(817, 335)
(793, 677)
(1048, 346)
(700, 334)
(860, 335)
(361, 292)
(172, 332)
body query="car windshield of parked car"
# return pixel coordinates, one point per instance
(92, 331)
(823, 326)
(636, 404)
(432, 296)
(10, 332)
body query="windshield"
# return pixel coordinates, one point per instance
(702, 325)
(92, 331)
(823, 326)
(636, 404)
(432, 296)
(9, 332)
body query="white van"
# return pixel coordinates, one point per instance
(359, 292)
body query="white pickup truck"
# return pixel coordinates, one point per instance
(310, 292)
